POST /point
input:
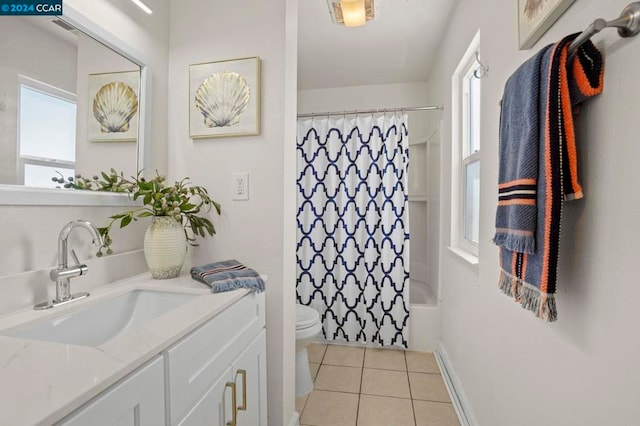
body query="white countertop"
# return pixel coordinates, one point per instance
(41, 382)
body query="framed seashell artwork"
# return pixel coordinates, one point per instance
(113, 106)
(224, 98)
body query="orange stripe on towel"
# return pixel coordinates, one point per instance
(568, 125)
(544, 276)
(583, 82)
(517, 182)
(524, 202)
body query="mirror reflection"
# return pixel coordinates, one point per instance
(68, 104)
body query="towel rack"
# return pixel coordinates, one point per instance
(628, 25)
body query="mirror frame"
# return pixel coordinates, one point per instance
(15, 195)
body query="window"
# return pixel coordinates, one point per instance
(47, 138)
(465, 205)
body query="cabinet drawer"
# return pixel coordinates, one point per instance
(136, 400)
(195, 363)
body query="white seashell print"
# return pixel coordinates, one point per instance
(222, 97)
(114, 106)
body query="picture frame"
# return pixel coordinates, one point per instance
(224, 98)
(535, 17)
(113, 107)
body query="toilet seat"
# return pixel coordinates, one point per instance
(306, 317)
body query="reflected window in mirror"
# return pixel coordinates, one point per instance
(47, 134)
(49, 122)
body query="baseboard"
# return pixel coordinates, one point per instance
(295, 419)
(454, 386)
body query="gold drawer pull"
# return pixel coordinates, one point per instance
(243, 373)
(234, 419)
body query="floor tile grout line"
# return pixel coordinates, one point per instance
(413, 407)
(364, 355)
(345, 366)
(324, 353)
(431, 400)
(339, 391)
(384, 369)
(384, 396)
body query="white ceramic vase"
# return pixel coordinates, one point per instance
(165, 247)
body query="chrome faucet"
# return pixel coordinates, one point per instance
(64, 273)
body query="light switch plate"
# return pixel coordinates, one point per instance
(240, 186)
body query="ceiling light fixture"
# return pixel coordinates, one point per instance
(143, 6)
(351, 13)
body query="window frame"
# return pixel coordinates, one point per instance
(23, 160)
(462, 111)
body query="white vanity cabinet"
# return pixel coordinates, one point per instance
(193, 381)
(226, 354)
(136, 400)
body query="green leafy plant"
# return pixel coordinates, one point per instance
(185, 202)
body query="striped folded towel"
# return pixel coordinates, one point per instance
(528, 273)
(228, 275)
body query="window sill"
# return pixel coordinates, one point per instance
(14, 195)
(469, 258)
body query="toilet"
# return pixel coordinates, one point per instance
(307, 328)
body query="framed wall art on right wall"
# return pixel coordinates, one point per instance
(535, 17)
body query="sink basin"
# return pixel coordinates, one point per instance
(101, 322)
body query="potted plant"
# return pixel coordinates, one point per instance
(178, 215)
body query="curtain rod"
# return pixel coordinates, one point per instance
(369, 111)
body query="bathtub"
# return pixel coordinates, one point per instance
(424, 317)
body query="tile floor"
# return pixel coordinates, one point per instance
(374, 387)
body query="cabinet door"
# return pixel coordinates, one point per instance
(250, 377)
(196, 362)
(137, 400)
(215, 408)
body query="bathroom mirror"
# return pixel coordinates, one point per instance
(72, 100)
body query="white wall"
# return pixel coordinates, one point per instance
(251, 231)
(514, 368)
(29, 233)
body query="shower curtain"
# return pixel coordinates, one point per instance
(353, 226)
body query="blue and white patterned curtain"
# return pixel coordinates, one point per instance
(353, 226)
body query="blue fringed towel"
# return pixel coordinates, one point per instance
(519, 127)
(228, 275)
(538, 168)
